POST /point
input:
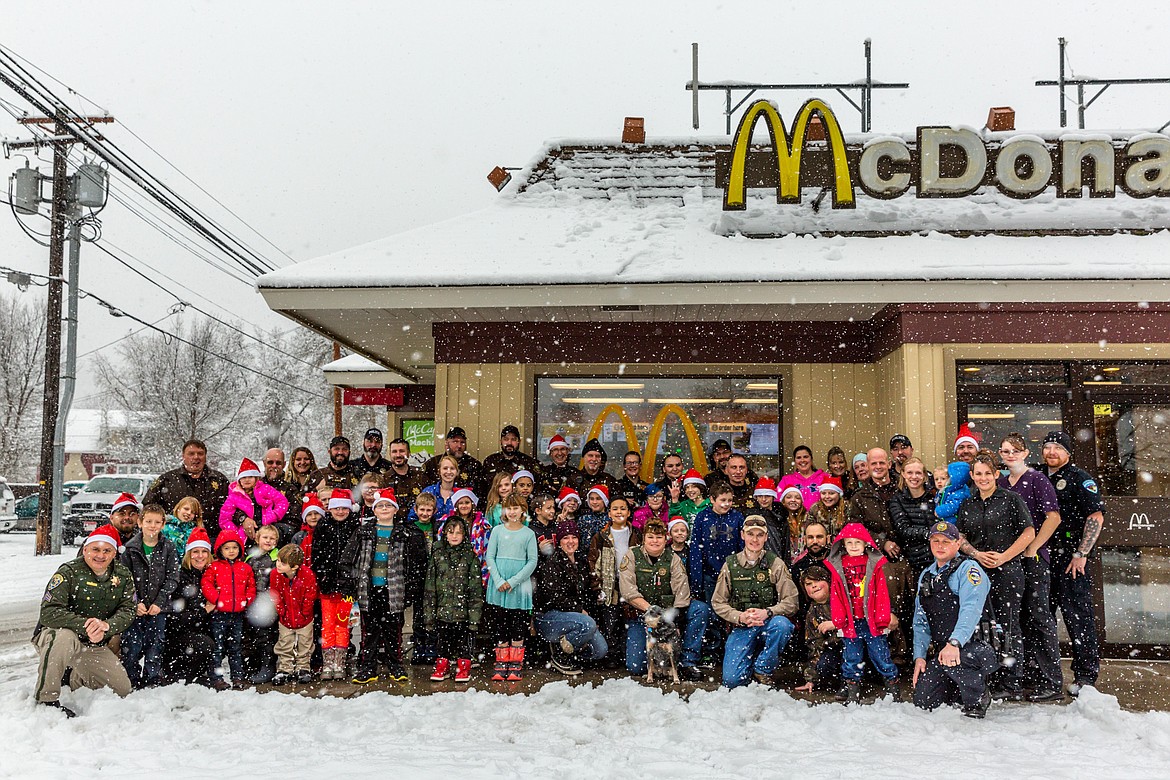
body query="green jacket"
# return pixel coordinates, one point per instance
(453, 592)
(75, 594)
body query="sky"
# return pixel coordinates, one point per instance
(327, 125)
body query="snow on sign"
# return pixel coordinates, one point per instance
(938, 162)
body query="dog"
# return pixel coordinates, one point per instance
(662, 644)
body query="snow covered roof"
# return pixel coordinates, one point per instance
(359, 371)
(85, 428)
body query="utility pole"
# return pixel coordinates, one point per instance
(66, 207)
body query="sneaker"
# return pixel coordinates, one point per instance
(564, 663)
(442, 670)
(221, 685)
(690, 674)
(463, 670)
(305, 678)
(396, 673)
(56, 705)
(1045, 694)
(978, 711)
(281, 678)
(364, 677)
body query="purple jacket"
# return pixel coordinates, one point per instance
(272, 503)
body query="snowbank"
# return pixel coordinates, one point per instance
(24, 575)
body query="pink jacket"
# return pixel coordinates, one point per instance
(810, 486)
(272, 502)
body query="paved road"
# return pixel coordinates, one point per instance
(16, 623)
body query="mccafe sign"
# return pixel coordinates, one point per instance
(942, 162)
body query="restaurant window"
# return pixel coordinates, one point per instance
(663, 416)
(1133, 451)
(1137, 595)
(993, 422)
(1001, 374)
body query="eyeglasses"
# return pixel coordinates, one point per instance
(274, 463)
(1006, 451)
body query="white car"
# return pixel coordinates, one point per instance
(7, 507)
(91, 507)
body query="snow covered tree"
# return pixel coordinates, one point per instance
(22, 377)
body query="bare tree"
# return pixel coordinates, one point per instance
(287, 416)
(22, 376)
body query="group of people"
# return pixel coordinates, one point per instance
(293, 572)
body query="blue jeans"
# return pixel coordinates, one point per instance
(698, 615)
(755, 648)
(856, 649)
(145, 636)
(227, 629)
(580, 630)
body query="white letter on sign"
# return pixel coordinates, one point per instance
(933, 184)
(1005, 167)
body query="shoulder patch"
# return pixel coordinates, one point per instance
(1089, 485)
(55, 581)
(974, 576)
(625, 564)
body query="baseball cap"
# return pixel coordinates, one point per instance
(374, 433)
(338, 440)
(456, 433)
(512, 429)
(900, 440)
(944, 528)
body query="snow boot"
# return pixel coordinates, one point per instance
(892, 688)
(59, 706)
(564, 662)
(263, 674)
(516, 664)
(281, 678)
(305, 678)
(979, 710)
(850, 694)
(503, 656)
(442, 670)
(463, 670)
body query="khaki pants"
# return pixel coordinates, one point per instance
(93, 666)
(294, 649)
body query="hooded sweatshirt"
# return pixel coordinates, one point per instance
(858, 581)
(229, 585)
(954, 494)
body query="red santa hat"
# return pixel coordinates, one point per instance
(198, 540)
(106, 533)
(693, 477)
(248, 469)
(833, 484)
(521, 474)
(126, 499)
(676, 521)
(464, 493)
(965, 435)
(567, 493)
(791, 489)
(386, 496)
(312, 504)
(600, 490)
(765, 487)
(341, 499)
(557, 441)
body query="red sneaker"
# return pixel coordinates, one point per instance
(442, 670)
(463, 670)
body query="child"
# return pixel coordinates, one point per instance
(695, 497)
(606, 552)
(591, 521)
(825, 654)
(368, 491)
(391, 561)
(229, 587)
(189, 644)
(294, 592)
(523, 483)
(957, 491)
(501, 488)
(251, 503)
(654, 509)
(188, 516)
(511, 559)
(544, 521)
(860, 602)
(335, 580)
(260, 631)
(679, 533)
(568, 502)
(453, 600)
(154, 565)
(423, 512)
(465, 503)
(716, 535)
(777, 542)
(311, 514)
(942, 478)
(793, 513)
(830, 508)
(423, 641)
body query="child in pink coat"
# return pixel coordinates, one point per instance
(249, 497)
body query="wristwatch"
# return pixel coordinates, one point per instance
(953, 642)
(1078, 554)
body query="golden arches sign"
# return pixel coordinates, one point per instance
(789, 148)
(698, 455)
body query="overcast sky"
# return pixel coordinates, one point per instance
(325, 125)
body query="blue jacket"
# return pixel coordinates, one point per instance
(443, 506)
(954, 494)
(713, 538)
(972, 585)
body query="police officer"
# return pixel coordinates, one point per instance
(371, 459)
(338, 473)
(951, 603)
(508, 460)
(404, 479)
(559, 474)
(194, 478)
(1081, 519)
(470, 469)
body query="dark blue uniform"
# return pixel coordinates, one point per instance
(1079, 496)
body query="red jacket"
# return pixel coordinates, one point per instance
(874, 592)
(229, 585)
(294, 598)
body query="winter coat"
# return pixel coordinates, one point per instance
(954, 494)
(304, 539)
(406, 544)
(713, 538)
(75, 594)
(187, 614)
(156, 577)
(832, 519)
(178, 532)
(809, 486)
(209, 489)
(563, 585)
(603, 562)
(229, 585)
(334, 573)
(262, 564)
(644, 514)
(453, 590)
(870, 506)
(912, 519)
(272, 503)
(294, 598)
(687, 510)
(479, 536)
(874, 592)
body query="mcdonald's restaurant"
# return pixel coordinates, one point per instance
(794, 286)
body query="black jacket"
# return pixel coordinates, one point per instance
(335, 574)
(995, 523)
(187, 614)
(912, 519)
(562, 585)
(155, 578)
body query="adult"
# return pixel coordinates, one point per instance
(870, 504)
(901, 451)
(997, 528)
(756, 595)
(1040, 654)
(404, 479)
(837, 465)
(952, 595)
(194, 479)
(508, 460)
(371, 460)
(630, 485)
(651, 575)
(300, 469)
(593, 471)
(274, 471)
(816, 550)
(559, 475)
(444, 490)
(966, 445)
(743, 491)
(912, 515)
(807, 478)
(87, 601)
(125, 515)
(860, 469)
(564, 591)
(338, 473)
(718, 454)
(672, 478)
(1082, 515)
(455, 445)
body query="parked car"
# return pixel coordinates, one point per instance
(7, 507)
(92, 505)
(28, 507)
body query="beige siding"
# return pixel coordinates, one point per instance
(482, 399)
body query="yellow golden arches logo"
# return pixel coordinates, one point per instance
(789, 149)
(698, 455)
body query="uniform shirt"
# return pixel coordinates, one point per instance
(336, 478)
(406, 486)
(210, 488)
(469, 470)
(969, 582)
(359, 467)
(1079, 496)
(993, 524)
(498, 463)
(1038, 493)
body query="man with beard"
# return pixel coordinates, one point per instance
(469, 467)
(816, 549)
(630, 486)
(274, 463)
(593, 467)
(508, 460)
(719, 455)
(902, 450)
(338, 473)
(559, 474)
(194, 479)
(371, 459)
(406, 480)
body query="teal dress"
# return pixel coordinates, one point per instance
(511, 557)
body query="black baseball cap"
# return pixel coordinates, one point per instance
(512, 429)
(374, 433)
(900, 440)
(456, 433)
(338, 440)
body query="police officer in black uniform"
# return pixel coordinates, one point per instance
(951, 604)
(1081, 519)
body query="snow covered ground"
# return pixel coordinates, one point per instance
(618, 729)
